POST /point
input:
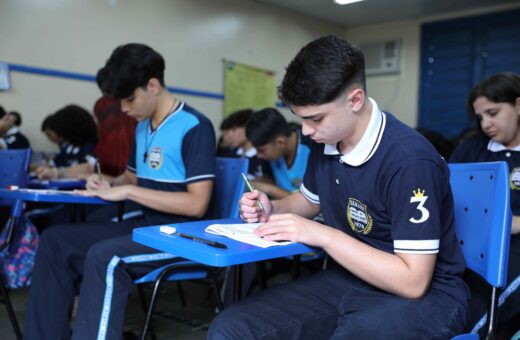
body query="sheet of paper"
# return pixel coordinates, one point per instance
(243, 232)
(49, 192)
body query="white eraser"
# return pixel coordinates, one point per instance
(166, 229)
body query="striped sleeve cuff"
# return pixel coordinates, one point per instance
(131, 169)
(416, 246)
(313, 198)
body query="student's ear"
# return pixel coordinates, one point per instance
(280, 141)
(357, 99)
(154, 86)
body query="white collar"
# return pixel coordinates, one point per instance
(12, 131)
(496, 147)
(367, 145)
(249, 154)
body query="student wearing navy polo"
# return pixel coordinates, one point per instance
(495, 104)
(12, 138)
(385, 196)
(284, 147)
(170, 173)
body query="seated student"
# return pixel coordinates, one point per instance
(234, 131)
(170, 173)
(6, 121)
(74, 130)
(12, 138)
(286, 150)
(385, 195)
(495, 104)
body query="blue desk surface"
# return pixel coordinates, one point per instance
(49, 196)
(59, 183)
(237, 252)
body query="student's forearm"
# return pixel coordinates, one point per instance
(176, 203)
(406, 275)
(126, 178)
(515, 227)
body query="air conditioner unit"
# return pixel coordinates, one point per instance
(381, 57)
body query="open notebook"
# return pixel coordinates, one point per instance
(243, 232)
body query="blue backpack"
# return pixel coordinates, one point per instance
(17, 260)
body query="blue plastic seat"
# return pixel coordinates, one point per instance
(14, 165)
(227, 191)
(483, 225)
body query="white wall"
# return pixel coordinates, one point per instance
(398, 93)
(192, 35)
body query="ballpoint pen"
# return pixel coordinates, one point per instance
(203, 240)
(250, 187)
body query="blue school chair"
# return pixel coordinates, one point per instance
(483, 225)
(14, 165)
(227, 191)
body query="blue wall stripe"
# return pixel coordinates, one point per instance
(87, 77)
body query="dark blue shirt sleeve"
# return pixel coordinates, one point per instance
(198, 152)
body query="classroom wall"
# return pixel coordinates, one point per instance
(193, 37)
(398, 93)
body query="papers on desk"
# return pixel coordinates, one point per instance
(49, 192)
(243, 232)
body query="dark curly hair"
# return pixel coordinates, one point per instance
(236, 119)
(74, 124)
(322, 71)
(130, 66)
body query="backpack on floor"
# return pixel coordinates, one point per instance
(17, 260)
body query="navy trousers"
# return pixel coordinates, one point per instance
(334, 304)
(99, 261)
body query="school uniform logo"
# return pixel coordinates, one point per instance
(156, 158)
(514, 179)
(419, 197)
(358, 217)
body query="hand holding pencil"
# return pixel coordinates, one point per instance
(254, 205)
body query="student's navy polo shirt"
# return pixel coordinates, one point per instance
(71, 155)
(180, 151)
(482, 149)
(14, 139)
(392, 192)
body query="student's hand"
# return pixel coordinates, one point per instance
(250, 211)
(119, 193)
(291, 227)
(46, 172)
(6, 122)
(96, 182)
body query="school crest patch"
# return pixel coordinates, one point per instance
(156, 158)
(514, 179)
(358, 217)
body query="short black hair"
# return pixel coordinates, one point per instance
(18, 117)
(130, 66)
(265, 125)
(322, 71)
(46, 123)
(236, 119)
(74, 124)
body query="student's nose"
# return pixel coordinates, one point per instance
(307, 130)
(485, 123)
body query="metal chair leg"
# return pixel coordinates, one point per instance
(144, 305)
(10, 310)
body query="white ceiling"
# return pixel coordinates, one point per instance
(378, 11)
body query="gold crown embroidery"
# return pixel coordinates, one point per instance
(418, 193)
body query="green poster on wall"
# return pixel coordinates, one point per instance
(247, 87)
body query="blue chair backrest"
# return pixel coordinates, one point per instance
(14, 165)
(483, 217)
(228, 188)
